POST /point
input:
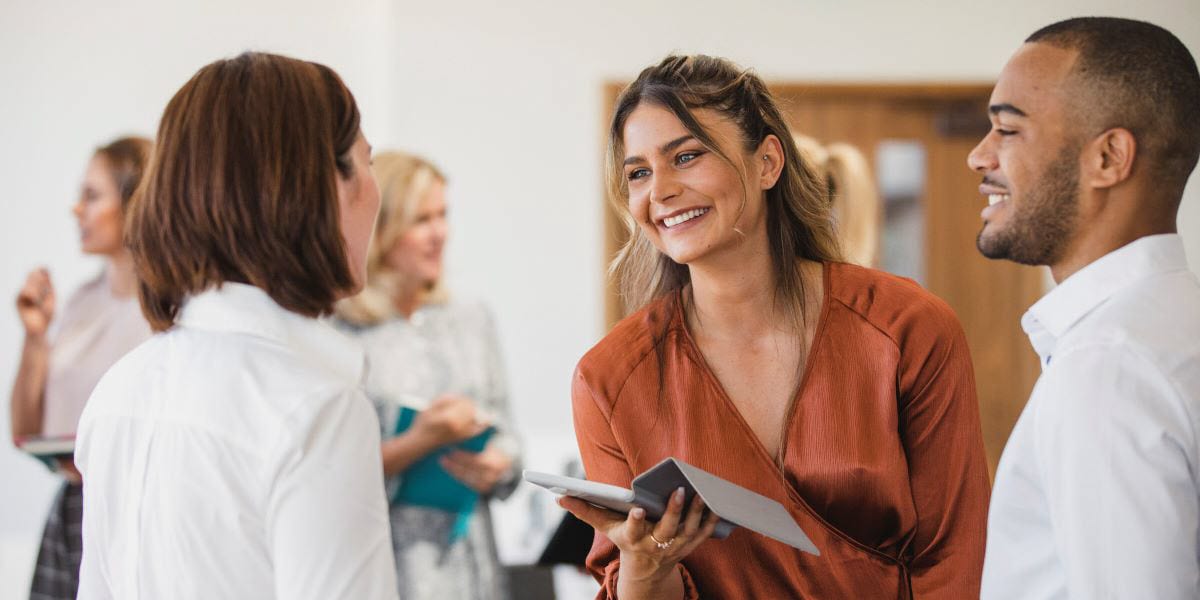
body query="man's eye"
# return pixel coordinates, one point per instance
(1005, 132)
(638, 174)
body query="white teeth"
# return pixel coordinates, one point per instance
(682, 217)
(994, 198)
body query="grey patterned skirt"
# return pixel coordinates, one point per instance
(56, 576)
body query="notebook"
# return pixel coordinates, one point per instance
(47, 449)
(735, 505)
(426, 483)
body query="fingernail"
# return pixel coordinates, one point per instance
(638, 513)
(679, 494)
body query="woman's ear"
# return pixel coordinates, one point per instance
(769, 158)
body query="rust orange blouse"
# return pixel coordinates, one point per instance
(883, 461)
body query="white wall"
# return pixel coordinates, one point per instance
(505, 96)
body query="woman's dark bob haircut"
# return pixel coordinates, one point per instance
(242, 187)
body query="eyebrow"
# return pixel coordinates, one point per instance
(996, 109)
(665, 148)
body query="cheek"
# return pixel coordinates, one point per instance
(639, 206)
(107, 214)
(404, 250)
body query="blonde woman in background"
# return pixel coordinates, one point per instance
(857, 208)
(61, 363)
(422, 345)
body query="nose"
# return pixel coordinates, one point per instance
(77, 209)
(664, 187)
(440, 229)
(982, 158)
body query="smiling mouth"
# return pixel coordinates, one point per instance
(994, 199)
(683, 217)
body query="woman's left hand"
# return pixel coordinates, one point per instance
(478, 471)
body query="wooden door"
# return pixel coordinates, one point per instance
(946, 121)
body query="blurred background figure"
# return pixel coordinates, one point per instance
(441, 356)
(857, 207)
(63, 358)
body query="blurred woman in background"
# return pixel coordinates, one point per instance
(65, 352)
(857, 208)
(441, 355)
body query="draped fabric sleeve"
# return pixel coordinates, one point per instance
(604, 461)
(940, 430)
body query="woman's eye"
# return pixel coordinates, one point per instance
(686, 157)
(638, 174)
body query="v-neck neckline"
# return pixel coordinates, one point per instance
(798, 393)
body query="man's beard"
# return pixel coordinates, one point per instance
(1040, 227)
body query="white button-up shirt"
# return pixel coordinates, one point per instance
(234, 456)
(1096, 495)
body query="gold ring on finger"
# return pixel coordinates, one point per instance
(661, 544)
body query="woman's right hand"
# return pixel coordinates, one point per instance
(449, 418)
(35, 303)
(650, 552)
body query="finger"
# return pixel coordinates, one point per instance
(456, 470)
(668, 525)
(27, 298)
(706, 531)
(695, 514)
(455, 466)
(458, 400)
(600, 519)
(637, 527)
(460, 459)
(41, 280)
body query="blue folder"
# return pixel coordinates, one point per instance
(426, 483)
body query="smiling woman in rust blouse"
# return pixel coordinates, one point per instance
(842, 392)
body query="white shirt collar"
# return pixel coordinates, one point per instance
(1060, 309)
(241, 308)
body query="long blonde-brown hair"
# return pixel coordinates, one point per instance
(404, 180)
(798, 210)
(857, 207)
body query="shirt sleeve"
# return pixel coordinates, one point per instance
(327, 523)
(604, 461)
(1114, 444)
(943, 443)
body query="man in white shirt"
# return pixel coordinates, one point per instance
(1095, 131)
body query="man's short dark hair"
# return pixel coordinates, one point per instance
(1140, 77)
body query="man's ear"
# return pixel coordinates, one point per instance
(1108, 158)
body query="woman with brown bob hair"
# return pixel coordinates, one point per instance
(233, 455)
(844, 393)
